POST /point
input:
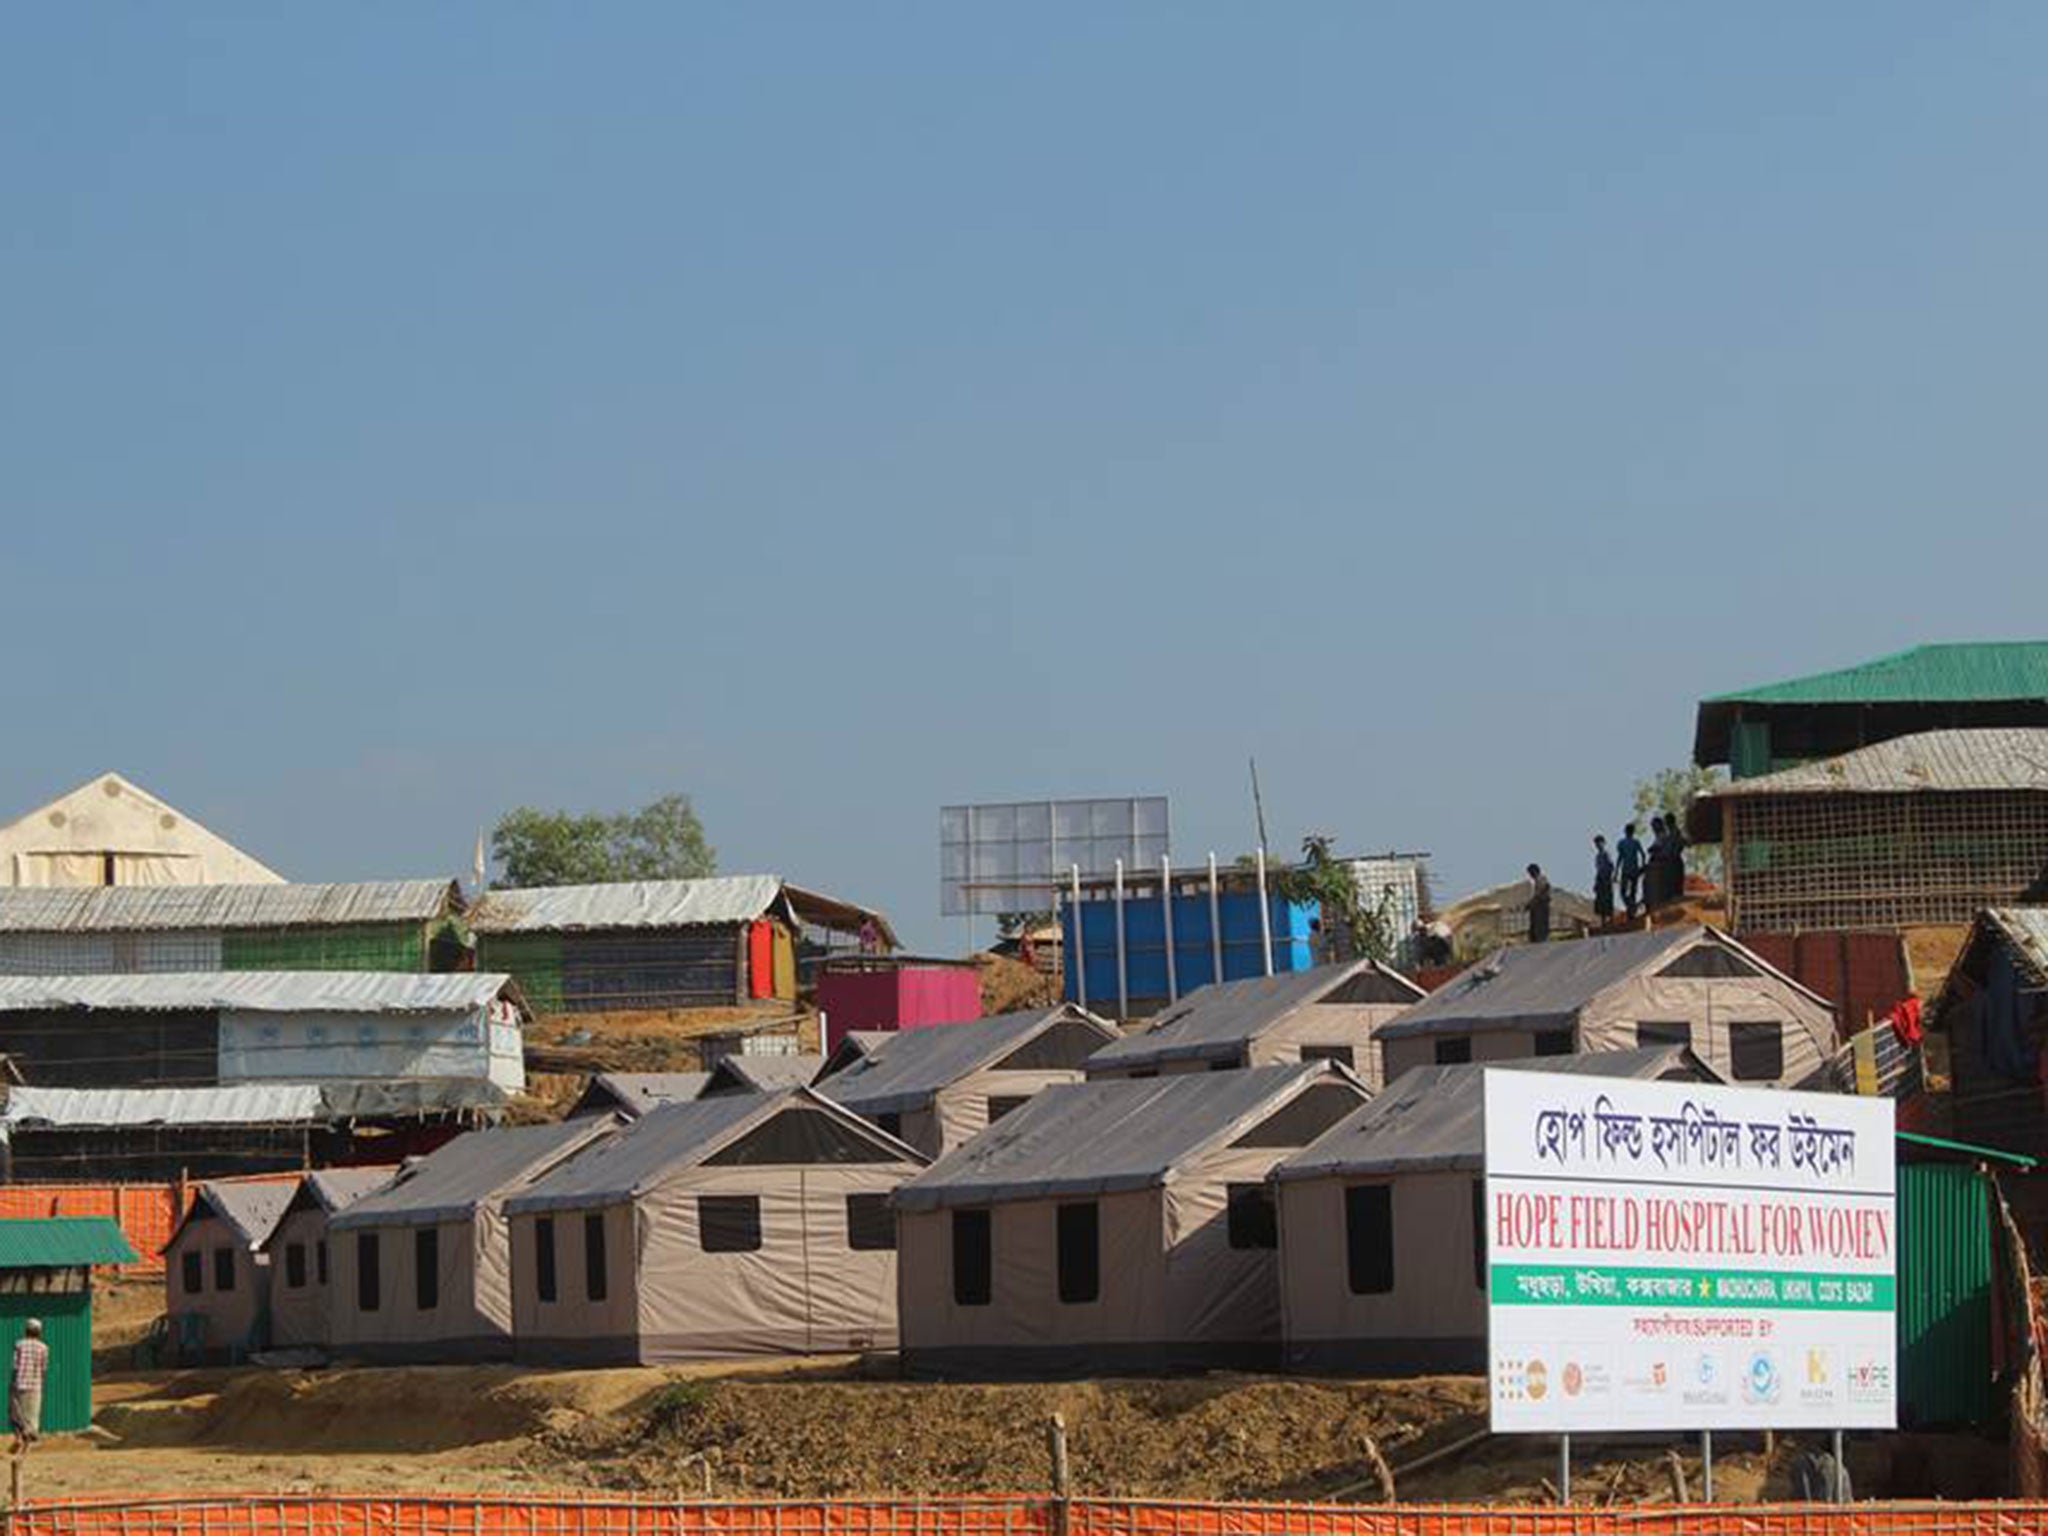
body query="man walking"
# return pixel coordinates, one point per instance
(1539, 906)
(1603, 880)
(25, 1386)
(1629, 863)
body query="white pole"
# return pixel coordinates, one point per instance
(1123, 990)
(1215, 926)
(1265, 915)
(1166, 901)
(1079, 958)
(1707, 1465)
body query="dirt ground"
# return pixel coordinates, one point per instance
(1011, 986)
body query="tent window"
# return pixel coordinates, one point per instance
(1479, 1233)
(1554, 1042)
(729, 1223)
(1756, 1052)
(595, 1281)
(1079, 1233)
(801, 1136)
(320, 1260)
(1063, 1047)
(1251, 1217)
(1369, 1238)
(223, 1269)
(369, 1283)
(973, 1258)
(194, 1267)
(1663, 1032)
(1149, 1072)
(426, 1268)
(544, 1257)
(1343, 1055)
(1455, 1050)
(1709, 960)
(295, 1266)
(1000, 1104)
(1302, 1118)
(890, 1125)
(870, 1225)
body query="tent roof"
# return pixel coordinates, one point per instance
(920, 1062)
(760, 1074)
(1430, 1119)
(634, 1093)
(1109, 1135)
(137, 908)
(719, 899)
(458, 992)
(62, 1242)
(673, 1137)
(250, 1207)
(1217, 1020)
(469, 1172)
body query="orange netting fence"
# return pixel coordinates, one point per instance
(147, 1214)
(450, 1515)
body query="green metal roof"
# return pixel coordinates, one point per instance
(1967, 1149)
(1946, 674)
(53, 1242)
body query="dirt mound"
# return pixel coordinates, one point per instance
(1011, 986)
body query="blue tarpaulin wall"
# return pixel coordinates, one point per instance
(1194, 956)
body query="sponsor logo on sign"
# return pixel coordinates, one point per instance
(1870, 1381)
(1574, 1378)
(1536, 1380)
(1760, 1383)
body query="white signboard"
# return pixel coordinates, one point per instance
(1015, 857)
(1674, 1256)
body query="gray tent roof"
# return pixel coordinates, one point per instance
(469, 1172)
(1430, 1119)
(920, 1062)
(761, 1074)
(1218, 1020)
(673, 1137)
(334, 1188)
(855, 1047)
(252, 1208)
(634, 1093)
(1110, 1135)
(1543, 986)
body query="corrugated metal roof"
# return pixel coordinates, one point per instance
(251, 1208)
(1218, 1020)
(1536, 985)
(87, 1108)
(1105, 1136)
(58, 1242)
(1947, 761)
(761, 1074)
(469, 1172)
(662, 904)
(2025, 930)
(258, 992)
(1947, 673)
(1431, 1119)
(919, 1062)
(123, 909)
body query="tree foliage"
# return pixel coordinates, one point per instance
(1670, 792)
(1367, 929)
(660, 841)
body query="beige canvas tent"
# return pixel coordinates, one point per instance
(1686, 985)
(216, 1278)
(421, 1270)
(1382, 1251)
(941, 1086)
(631, 1094)
(296, 1255)
(743, 1225)
(109, 832)
(1328, 1013)
(1113, 1225)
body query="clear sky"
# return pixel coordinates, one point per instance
(407, 412)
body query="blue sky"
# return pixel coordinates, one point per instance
(837, 411)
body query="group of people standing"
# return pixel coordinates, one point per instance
(1649, 877)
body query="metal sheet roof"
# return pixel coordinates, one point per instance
(2026, 930)
(470, 1171)
(1937, 762)
(1105, 1136)
(89, 1108)
(664, 904)
(61, 1242)
(1216, 1021)
(251, 1208)
(1536, 985)
(920, 1062)
(125, 909)
(1430, 1119)
(258, 992)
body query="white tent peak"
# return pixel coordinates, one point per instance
(111, 831)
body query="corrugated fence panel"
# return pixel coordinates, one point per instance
(356, 947)
(1944, 1294)
(147, 1214)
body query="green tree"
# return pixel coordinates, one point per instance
(1671, 792)
(660, 841)
(1323, 878)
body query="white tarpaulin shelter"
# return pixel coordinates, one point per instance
(109, 832)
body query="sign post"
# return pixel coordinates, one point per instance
(1682, 1257)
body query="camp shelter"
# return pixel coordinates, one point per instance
(421, 1270)
(1993, 1013)
(216, 1275)
(380, 925)
(297, 1255)
(1329, 1013)
(1110, 1226)
(939, 1087)
(1685, 985)
(640, 944)
(109, 832)
(752, 1224)
(46, 1265)
(1499, 915)
(1382, 1242)
(203, 1028)
(631, 1094)
(745, 1072)
(854, 1047)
